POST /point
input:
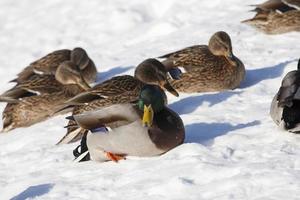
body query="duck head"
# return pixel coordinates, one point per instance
(69, 73)
(153, 72)
(152, 99)
(220, 45)
(80, 57)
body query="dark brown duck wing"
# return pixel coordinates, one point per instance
(45, 65)
(35, 85)
(115, 86)
(277, 5)
(292, 3)
(190, 57)
(181, 53)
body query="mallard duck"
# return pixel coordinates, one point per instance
(48, 65)
(276, 16)
(145, 128)
(285, 107)
(208, 68)
(119, 89)
(38, 96)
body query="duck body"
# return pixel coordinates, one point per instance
(37, 106)
(285, 107)
(127, 135)
(119, 89)
(207, 71)
(40, 95)
(48, 64)
(276, 16)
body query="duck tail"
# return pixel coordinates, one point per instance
(73, 134)
(8, 99)
(8, 124)
(64, 110)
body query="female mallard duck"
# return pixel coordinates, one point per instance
(120, 89)
(276, 16)
(208, 68)
(48, 65)
(145, 128)
(285, 107)
(37, 97)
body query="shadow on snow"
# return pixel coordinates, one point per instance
(189, 104)
(34, 191)
(204, 133)
(254, 76)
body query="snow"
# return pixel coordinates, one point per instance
(233, 150)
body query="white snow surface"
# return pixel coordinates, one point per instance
(233, 150)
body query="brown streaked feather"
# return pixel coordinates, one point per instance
(272, 5)
(276, 17)
(205, 72)
(36, 84)
(116, 86)
(32, 110)
(46, 65)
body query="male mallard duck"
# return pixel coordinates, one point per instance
(119, 89)
(37, 96)
(285, 107)
(208, 68)
(48, 65)
(145, 128)
(276, 16)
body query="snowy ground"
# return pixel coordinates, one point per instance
(232, 150)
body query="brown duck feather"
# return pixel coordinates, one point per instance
(48, 64)
(45, 85)
(206, 72)
(276, 16)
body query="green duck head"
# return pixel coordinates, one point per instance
(153, 72)
(152, 100)
(69, 73)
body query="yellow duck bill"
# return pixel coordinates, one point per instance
(148, 116)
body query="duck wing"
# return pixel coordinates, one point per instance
(113, 87)
(45, 65)
(274, 5)
(35, 85)
(182, 53)
(292, 3)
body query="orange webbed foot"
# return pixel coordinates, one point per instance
(115, 157)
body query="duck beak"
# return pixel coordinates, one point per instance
(148, 116)
(170, 89)
(83, 84)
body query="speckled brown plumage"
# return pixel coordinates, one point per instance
(120, 89)
(49, 63)
(34, 109)
(205, 71)
(276, 16)
(44, 86)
